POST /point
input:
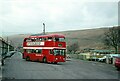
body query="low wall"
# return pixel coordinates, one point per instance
(79, 56)
(84, 57)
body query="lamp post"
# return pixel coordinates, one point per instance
(44, 28)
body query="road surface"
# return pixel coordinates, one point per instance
(17, 68)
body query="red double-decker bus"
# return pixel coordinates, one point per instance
(45, 48)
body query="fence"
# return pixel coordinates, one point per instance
(5, 47)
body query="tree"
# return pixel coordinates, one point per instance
(73, 47)
(112, 38)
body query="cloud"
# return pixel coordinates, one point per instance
(28, 15)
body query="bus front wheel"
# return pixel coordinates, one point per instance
(27, 58)
(55, 62)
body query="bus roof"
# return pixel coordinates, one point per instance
(50, 35)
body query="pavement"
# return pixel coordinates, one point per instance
(17, 68)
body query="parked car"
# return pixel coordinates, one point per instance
(93, 58)
(113, 55)
(68, 58)
(117, 63)
(102, 59)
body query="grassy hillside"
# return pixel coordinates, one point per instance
(90, 38)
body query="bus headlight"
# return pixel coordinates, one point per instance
(56, 58)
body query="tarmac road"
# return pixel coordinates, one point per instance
(17, 68)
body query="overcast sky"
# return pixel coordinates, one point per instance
(27, 16)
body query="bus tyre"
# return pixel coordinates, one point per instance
(118, 69)
(23, 57)
(27, 58)
(55, 62)
(44, 60)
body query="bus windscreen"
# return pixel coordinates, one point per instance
(59, 52)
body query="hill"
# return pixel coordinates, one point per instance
(90, 38)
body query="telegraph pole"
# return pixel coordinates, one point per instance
(44, 28)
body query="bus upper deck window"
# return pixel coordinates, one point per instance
(44, 39)
(62, 39)
(37, 39)
(40, 39)
(50, 39)
(56, 39)
(25, 40)
(32, 39)
(28, 40)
